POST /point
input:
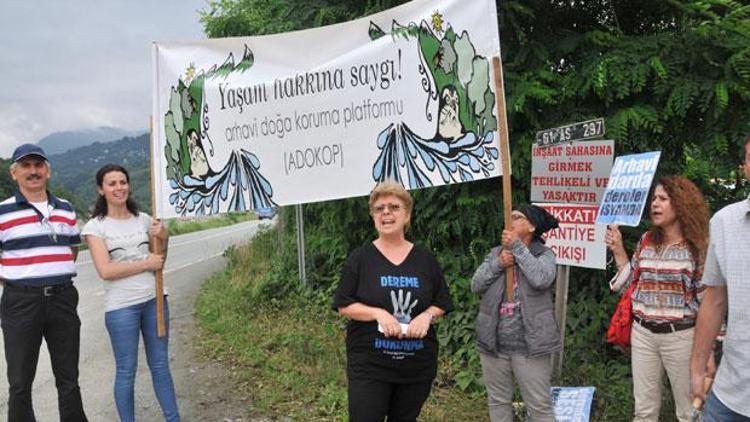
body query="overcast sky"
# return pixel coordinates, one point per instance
(74, 64)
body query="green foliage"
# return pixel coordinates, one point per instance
(7, 185)
(182, 226)
(671, 76)
(74, 170)
(289, 356)
(227, 18)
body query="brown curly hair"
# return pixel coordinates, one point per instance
(691, 212)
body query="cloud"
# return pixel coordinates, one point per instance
(16, 127)
(82, 63)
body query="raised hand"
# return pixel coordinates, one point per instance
(613, 239)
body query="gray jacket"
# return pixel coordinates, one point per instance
(535, 272)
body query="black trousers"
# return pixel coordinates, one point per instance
(373, 401)
(28, 315)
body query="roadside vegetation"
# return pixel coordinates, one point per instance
(665, 75)
(285, 344)
(179, 226)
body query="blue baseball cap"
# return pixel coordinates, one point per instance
(28, 149)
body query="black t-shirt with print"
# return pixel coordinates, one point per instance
(405, 290)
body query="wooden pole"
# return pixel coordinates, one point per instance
(502, 130)
(156, 247)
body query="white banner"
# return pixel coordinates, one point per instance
(579, 241)
(326, 113)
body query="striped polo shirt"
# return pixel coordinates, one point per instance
(34, 250)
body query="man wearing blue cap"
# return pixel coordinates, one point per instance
(38, 246)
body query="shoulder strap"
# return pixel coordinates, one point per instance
(645, 241)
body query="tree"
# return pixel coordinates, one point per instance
(669, 75)
(7, 185)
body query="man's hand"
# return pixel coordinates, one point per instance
(701, 382)
(699, 386)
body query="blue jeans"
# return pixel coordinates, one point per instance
(125, 326)
(716, 411)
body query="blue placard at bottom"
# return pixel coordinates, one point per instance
(572, 404)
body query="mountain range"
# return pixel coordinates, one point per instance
(60, 142)
(75, 169)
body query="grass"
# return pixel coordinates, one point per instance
(286, 349)
(288, 354)
(178, 226)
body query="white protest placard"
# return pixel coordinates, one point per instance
(627, 191)
(575, 173)
(326, 113)
(579, 241)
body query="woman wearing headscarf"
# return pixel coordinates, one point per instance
(667, 266)
(392, 291)
(516, 336)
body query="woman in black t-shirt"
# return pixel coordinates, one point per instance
(391, 290)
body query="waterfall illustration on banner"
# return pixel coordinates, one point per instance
(199, 189)
(455, 77)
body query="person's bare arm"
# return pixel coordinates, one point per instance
(110, 270)
(360, 312)
(711, 313)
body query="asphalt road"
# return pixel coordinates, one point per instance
(192, 258)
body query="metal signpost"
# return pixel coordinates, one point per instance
(576, 173)
(300, 244)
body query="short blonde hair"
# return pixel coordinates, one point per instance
(391, 187)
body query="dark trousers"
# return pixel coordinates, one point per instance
(28, 315)
(372, 401)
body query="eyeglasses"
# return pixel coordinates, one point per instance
(379, 209)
